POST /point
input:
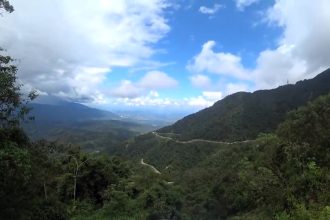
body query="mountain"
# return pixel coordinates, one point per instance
(244, 115)
(279, 175)
(90, 135)
(92, 129)
(68, 111)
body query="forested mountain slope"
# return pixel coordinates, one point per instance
(281, 175)
(68, 111)
(91, 135)
(244, 115)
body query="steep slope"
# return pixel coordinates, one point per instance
(244, 115)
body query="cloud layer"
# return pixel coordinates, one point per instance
(150, 82)
(67, 48)
(301, 51)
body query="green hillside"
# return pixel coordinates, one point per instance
(281, 175)
(244, 115)
(92, 135)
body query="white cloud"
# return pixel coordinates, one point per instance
(126, 89)
(300, 53)
(276, 67)
(153, 98)
(208, 61)
(207, 99)
(201, 81)
(153, 93)
(58, 42)
(157, 80)
(236, 87)
(146, 100)
(302, 50)
(210, 10)
(149, 83)
(212, 95)
(242, 4)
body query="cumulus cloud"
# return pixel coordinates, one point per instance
(209, 61)
(64, 45)
(210, 10)
(157, 80)
(201, 81)
(212, 95)
(277, 67)
(153, 98)
(242, 4)
(126, 89)
(236, 87)
(149, 83)
(301, 51)
(207, 99)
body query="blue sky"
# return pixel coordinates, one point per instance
(164, 53)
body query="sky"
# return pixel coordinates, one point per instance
(164, 53)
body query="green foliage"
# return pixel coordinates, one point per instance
(277, 176)
(244, 115)
(310, 124)
(91, 136)
(16, 175)
(284, 175)
(12, 104)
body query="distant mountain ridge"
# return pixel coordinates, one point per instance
(68, 111)
(244, 115)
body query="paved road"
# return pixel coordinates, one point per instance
(150, 166)
(198, 140)
(154, 169)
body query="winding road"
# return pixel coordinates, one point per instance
(198, 140)
(150, 166)
(155, 170)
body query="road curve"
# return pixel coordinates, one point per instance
(198, 140)
(150, 166)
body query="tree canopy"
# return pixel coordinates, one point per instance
(4, 4)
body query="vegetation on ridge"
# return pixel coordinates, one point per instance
(244, 115)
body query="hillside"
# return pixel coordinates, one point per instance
(92, 129)
(244, 115)
(68, 111)
(281, 175)
(91, 135)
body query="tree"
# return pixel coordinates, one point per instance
(4, 4)
(13, 105)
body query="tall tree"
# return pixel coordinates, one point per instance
(13, 106)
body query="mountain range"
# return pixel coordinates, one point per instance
(68, 111)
